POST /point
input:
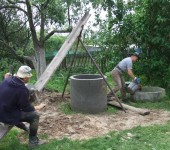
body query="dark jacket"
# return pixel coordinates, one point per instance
(14, 98)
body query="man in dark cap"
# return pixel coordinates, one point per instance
(124, 66)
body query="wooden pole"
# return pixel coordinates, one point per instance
(138, 110)
(70, 67)
(39, 85)
(4, 129)
(117, 99)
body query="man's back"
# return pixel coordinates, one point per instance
(125, 64)
(13, 100)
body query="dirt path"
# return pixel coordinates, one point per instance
(56, 124)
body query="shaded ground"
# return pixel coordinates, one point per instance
(56, 124)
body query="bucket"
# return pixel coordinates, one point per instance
(127, 84)
(132, 87)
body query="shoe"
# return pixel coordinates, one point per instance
(34, 142)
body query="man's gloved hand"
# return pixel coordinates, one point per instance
(137, 80)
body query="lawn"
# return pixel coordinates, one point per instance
(155, 137)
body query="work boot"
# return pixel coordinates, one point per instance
(34, 142)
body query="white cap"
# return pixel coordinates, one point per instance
(24, 71)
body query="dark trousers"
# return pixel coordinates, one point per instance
(33, 119)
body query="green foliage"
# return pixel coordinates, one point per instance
(85, 70)
(12, 27)
(154, 71)
(6, 65)
(145, 24)
(54, 43)
(22, 21)
(151, 22)
(56, 7)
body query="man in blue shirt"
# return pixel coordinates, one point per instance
(124, 66)
(15, 106)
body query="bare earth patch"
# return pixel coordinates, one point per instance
(56, 124)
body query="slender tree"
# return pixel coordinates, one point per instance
(43, 18)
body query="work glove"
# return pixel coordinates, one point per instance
(137, 80)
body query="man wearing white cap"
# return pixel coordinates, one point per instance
(15, 106)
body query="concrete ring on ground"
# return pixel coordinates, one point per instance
(88, 93)
(149, 93)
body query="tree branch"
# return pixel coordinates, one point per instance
(42, 22)
(29, 58)
(11, 2)
(36, 7)
(15, 7)
(56, 31)
(17, 29)
(31, 24)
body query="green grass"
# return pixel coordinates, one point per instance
(66, 109)
(156, 137)
(10, 142)
(57, 82)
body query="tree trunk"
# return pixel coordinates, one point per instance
(40, 63)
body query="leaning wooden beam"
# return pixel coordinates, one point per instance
(138, 110)
(61, 53)
(4, 129)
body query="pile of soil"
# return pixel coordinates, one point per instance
(56, 124)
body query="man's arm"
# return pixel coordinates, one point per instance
(130, 73)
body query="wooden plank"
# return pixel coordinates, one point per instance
(61, 53)
(4, 129)
(138, 110)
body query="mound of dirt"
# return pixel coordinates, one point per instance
(56, 124)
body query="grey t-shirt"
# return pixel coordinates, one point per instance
(125, 64)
